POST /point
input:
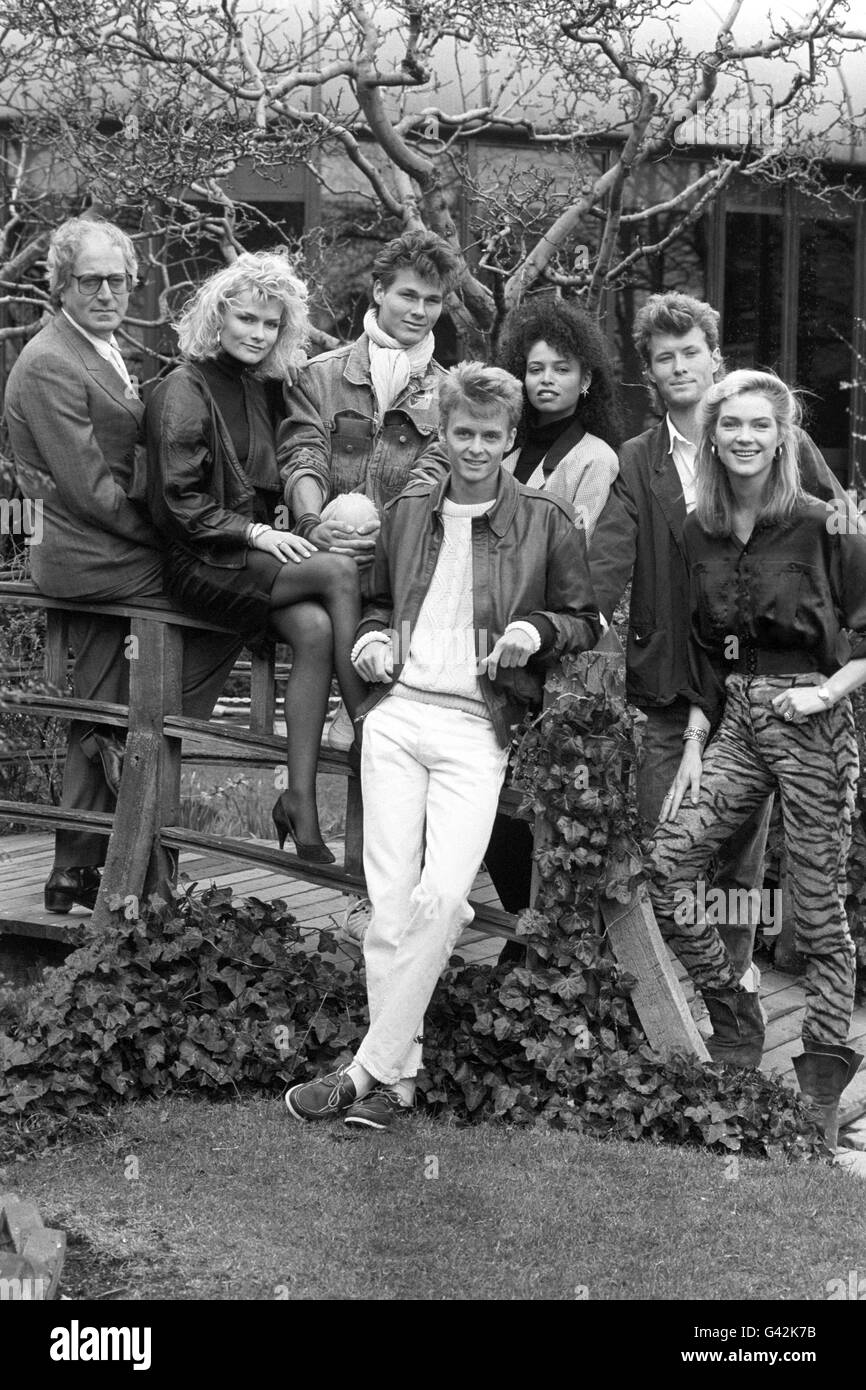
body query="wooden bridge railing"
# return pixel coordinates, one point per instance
(144, 831)
(145, 835)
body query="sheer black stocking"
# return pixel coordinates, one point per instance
(333, 581)
(315, 608)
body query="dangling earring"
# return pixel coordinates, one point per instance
(584, 390)
(713, 450)
(778, 454)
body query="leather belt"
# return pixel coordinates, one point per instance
(767, 661)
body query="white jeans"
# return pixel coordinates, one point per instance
(419, 763)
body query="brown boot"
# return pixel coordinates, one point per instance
(738, 1027)
(823, 1071)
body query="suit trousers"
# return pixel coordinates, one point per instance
(812, 764)
(431, 779)
(101, 672)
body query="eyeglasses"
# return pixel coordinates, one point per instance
(92, 284)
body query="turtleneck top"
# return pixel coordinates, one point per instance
(242, 402)
(225, 377)
(538, 441)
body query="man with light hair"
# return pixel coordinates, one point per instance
(489, 580)
(74, 414)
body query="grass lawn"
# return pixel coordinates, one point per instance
(189, 1199)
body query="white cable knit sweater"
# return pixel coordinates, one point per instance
(441, 662)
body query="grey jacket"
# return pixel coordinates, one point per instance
(332, 432)
(73, 426)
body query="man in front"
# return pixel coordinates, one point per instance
(360, 417)
(638, 539)
(477, 583)
(74, 414)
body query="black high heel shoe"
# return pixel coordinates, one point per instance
(314, 854)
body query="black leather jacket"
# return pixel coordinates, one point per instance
(197, 493)
(528, 561)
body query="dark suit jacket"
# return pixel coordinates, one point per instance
(638, 538)
(74, 426)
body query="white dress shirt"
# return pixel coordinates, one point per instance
(107, 348)
(683, 453)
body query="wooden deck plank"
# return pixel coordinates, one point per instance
(32, 839)
(784, 1030)
(853, 1102)
(779, 1058)
(785, 1001)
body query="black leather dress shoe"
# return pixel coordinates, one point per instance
(66, 887)
(109, 751)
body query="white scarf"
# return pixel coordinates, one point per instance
(391, 365)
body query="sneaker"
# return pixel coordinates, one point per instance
(356, 920)
(378, 1109)
(322, 1099)
(341, 733)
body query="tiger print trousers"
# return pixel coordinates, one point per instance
(812, 764)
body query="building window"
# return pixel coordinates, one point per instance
(787, 278)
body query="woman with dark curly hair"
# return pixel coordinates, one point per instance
(566, 442)
(571, 420)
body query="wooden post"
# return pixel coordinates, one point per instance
(136, 864)
(56, 648)
(262, 691)
(163, 868)
(658, 998)
(354, 840)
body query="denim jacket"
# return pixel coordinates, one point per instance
(332, 431)
(528, 562)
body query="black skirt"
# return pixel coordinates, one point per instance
(238, 599)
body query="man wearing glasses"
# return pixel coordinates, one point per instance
(74, 418)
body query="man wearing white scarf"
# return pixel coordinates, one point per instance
(365, 417)
(360, 418)
(392, 365)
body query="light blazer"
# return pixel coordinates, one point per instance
(582, 477)
(74, 426)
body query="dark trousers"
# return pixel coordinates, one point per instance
(101, 672)
(509, 861)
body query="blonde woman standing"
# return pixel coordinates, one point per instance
(775, 581)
